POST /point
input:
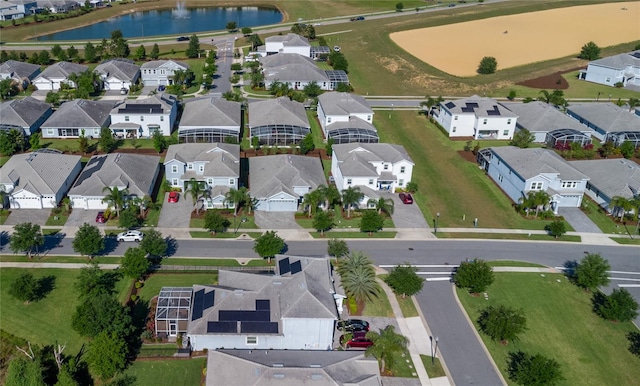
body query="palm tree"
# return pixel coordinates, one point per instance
(237, 197)
(360, 284)
(194, 188)
(382, 205)
(350, 197)
(536, 199)
(386, 344)
(311, 201)
(621, 206)
(115, 197)
(3, 196)
(330, 195)
(633, 102)
(352, 261)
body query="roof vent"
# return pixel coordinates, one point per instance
(316, 377)
(315, 365)
(278, 375)
(278, 365)
(238, 292)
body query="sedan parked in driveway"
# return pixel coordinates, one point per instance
(173, 197)
(406, 198)
(359, 340)
(100, 218)
(353, 325)
(131, 235)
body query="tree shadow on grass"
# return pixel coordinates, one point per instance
(139, 312)
(46, 284)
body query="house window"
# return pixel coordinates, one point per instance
(174, 168)
(368, 117)
(162, 118)
(210, 181)
(454, 129)
(608, 80)
(569, 184)
(500, 178)
(348, 181)
(402, 169)
(455, 118)
(508, 121)
(400, 182)
(190, 166)
(370, 181)
(386, 167)
(201, 168)
(126, 118)
(174, 182)
(536, 185)
(505, 132)
(484, 122)
(232, 181)
(141, 118)
(252, 340)
(328, 119)
(49, 131)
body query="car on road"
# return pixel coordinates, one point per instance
(182, 39)
(357, 18)
(451, 5)
(130, 235)
(100, 218)
(352, 325)
(173, 197)
(359, 340)
(406, 198)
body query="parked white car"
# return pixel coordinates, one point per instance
(130, 236)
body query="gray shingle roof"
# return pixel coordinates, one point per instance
(541, 117)
(39, 173)
(620, 61)
(119, 69)
(81, 113)
(322, 368)
(279, 111)
(531, 162)
(289, 39)
(355, 158)
(478, 106)
(343, 103)
(352, 123)
(135, 171)
(22, 112)
(607, 116)
(63, 70)
(20, 69)
(291, 68)
(223, 159)
(613, 177)
(270, 175)
(163, 63)
(211, 112)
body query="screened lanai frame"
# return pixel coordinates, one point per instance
(279, 134)
(353, 134)
(207, 135)
(567, 136)
(172, 311)
(620, 137)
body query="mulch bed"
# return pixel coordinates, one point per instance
(467, 155)
(553, 81)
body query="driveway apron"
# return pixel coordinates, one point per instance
(578, 220)
(176, 214)
(275, 220)
(33, 216)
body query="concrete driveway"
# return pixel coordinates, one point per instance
(176, 214)
(33, 216)
(578, 220)
(406, 215)
(81, 216)
(275, 220)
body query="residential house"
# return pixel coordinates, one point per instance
(346, 118)
(140, 118)
(26, 115)
(622, 68)
(291, 367)
(476, 117)
(607, 121)
(287, 44)
(279, 182)
(28, 7)
(58, 6)
(21, 73)
(56, 74)
(520, 171)
(215, 165)
(118, 74)
(78, 117)
(278, 122)
(543, 120)
(136, 173)
(295, 309)
(160, 72)
(210, 120)
(372, 167)
(298, 71)
(10, 11)
(609, 178)
(40, 179)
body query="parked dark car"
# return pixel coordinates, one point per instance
(353, 325)
(357, 18)
(406, 198)
(100, 218)
(162, 87)
(359, 340)
(182, 39)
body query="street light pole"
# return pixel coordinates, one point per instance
(435, 223)
(431, 340)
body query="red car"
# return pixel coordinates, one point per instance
(173, 197)
(359, 340)
(406, 198)
(100, 218)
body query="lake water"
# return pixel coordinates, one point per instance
(179, 21)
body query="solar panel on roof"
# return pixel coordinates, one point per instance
(472, 104)
(468, 109)
(494, 111)
(450, 105)
(259, 327)
(296, 267)
(284, 266)
(208, 300)
(228, 327)
(197, 305)
(636, 54)
(263, 305)
(141, 108)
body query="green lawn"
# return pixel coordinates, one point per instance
(513, 263)
(341, 221)
(184, 372)
(214, 262)
(224, 235)
(354, 235)
(506, 236)
(49, 320)
(562, 326)
(603, 220)
(156, 281)
(434, 370)
(621, 240)
(316, 129)
(378, 307)
(407, 306)
(249, 224)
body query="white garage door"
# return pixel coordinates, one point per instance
(283, 205)
(96, 203)
(26, 203)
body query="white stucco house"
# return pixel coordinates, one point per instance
(346, 118)
(10, 11)
(279, 182)
(160, 72)
(140, 118)
(40, 179)
(621, 68)
(476, 117)
(519, 171)
(118, 74)
(53, 76)
(287, 44)
(136, 173)
(295, 309)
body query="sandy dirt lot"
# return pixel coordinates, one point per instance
(520, 39)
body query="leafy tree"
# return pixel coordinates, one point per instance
(591, 272)
(8, 143)
(246, 31)
(312, 89)
(90, 53)
(488, 65)
(154, 244)
(627, 149)
(128, 218)
(101, 312)
(619, 306)
(43, 58)
(72, 53)
(322, 221)
(387, 344)
(475, 275)
(556, 228)
(106, 142)
(412, 187)
(537, 199)
(621, 205)
(311, 200)
(7, 88)
(351, 197)
(306, 145)
(268, 245)
(92, 280)
(141, 53)
(371, 221)
(255, 41)
(525, 369)
(155, 52)
(118, 47)
(329, 146)
(236, 197)
(399, 7)
(88, 240)
(53, 98)
(337, 248)
(590, 51)
(135, 263)
(231, 26)
(522, 138)
(404, 280)
(25, 238)
(159, 141)
(634, 342)
(193, 51)
(502, 323)
(25, 372)
(25, 288)
(107, 355)
(512, 95)
(338, 61)
(56, 49)
(214, 222)
(34, 141)
(115, 197)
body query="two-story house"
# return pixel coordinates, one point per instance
(26, 115)
(476, 117)
(216, 166)
(346, 118)
(140, 118)
(287, 44)
(56, 74)
(520, 171)
(78, 117)
(622, 68)
(160, 72)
